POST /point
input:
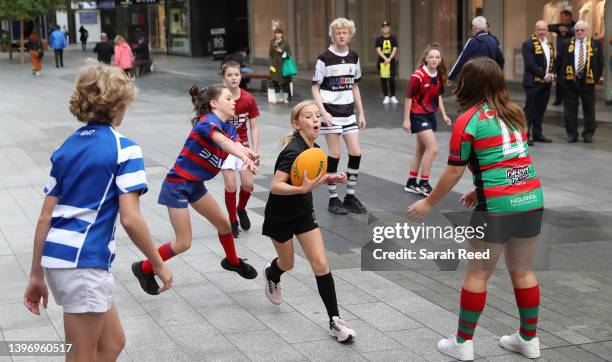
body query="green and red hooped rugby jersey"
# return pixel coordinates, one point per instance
(502, 169)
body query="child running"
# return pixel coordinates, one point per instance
(490, 137)
(335, 89)
(95, 174)
(289, 211)
(208, 145)
(423, 100)
(246, 112)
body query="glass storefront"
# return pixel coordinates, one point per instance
(520, 17)
(178, 27)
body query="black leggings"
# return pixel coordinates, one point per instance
(59, 57)
(388, 84)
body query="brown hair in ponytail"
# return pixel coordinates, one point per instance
(201, 99)
(482, 80)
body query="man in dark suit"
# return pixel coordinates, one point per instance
(565, 31)
(580, 66)
(538, 74)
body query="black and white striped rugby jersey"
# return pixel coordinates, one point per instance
(336, 73)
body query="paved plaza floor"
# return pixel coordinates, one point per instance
(211, 314)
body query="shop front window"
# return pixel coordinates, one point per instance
(179, 34)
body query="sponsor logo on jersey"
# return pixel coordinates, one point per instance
(517, 174)
(523, 200)
(211, 158)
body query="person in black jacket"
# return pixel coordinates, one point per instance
(564, 31)
(538, 74)
(104, 49)
(580, 67)
(481, 44)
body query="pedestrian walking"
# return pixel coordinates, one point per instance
(35, 47)
(84, 35)
(57, 42)
(279, 52)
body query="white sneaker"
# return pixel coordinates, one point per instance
(340, 330)
(394, 100)
(272, 290)
(386, 100)
(516, 343)
(461, 351)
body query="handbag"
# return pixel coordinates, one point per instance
(289, 68)
(385, 70)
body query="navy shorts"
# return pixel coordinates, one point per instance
(180, 194)
(422, 122)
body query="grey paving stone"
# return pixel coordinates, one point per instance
(11, 269)
(17, 316)
(12, 292)
(314, 309)
(327, 350)
(402, 354)
(233, 356)
(232, 282)
(198, 339)
(147, 341)
(256, 303)
(382, 316)
(203, 296)
(570, 353)
(368, 338)
(421, 341)
(599, 349)
(231, 319)
(293, 327)
(265, 346)
(169, 312)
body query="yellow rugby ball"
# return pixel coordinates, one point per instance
(313, 161)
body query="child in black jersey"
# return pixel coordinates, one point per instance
(289, 212)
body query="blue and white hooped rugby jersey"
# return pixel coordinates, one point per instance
(91, 169)
(336, 73)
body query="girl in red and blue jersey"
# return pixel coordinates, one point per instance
(423, 100)
(211, 140)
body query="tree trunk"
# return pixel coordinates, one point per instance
(21, 50)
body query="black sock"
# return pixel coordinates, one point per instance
(352, 172)
(332, 167)
(327, 291)
(274, 272)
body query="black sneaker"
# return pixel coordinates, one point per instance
(235, 228)
(425, 188)
(245, 270)
(245, 223)
(412, 188)
(147, 281)
(335, 206)
(352, 204)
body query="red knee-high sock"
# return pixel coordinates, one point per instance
(230, 203)
(471, 305)
(243, 198)
(165, 251)
(528, 302)
(227, 241)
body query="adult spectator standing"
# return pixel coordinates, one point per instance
(580, 66)
(386, 47)
(538, 74)
(104, 49)
(84, 36)
(279, 51)
(123, 55)
(564, 31)
(57, 42)
(481, 44)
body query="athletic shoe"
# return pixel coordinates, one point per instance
(425, 188)
(147, 281)
(245, 270)
(461, 351)
(394, 100)
(340, 330)
(352, 204)
(272, 290)
(386, 100)
(516, 343)
(335, 207)
(412, 188)
(245, 223)
(235, 228)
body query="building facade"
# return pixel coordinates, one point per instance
(415, 23)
